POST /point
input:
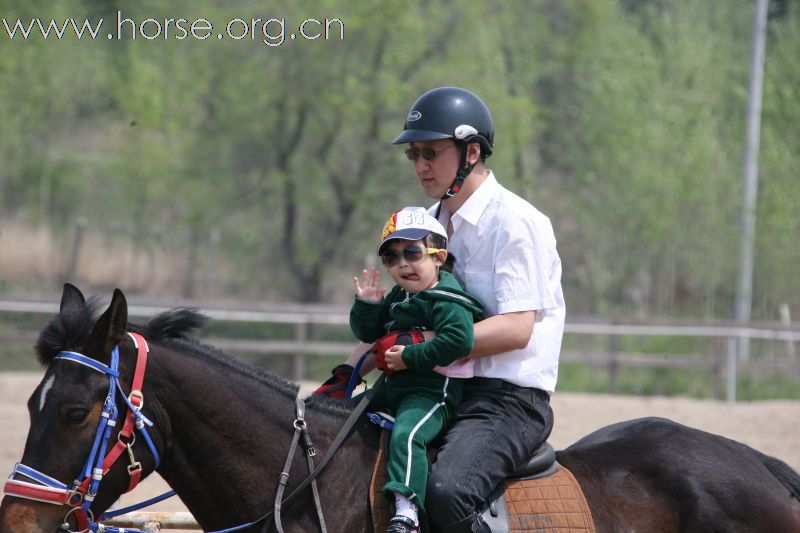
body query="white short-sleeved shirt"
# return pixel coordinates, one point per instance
(505, 252)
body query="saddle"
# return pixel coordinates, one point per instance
(541, 496)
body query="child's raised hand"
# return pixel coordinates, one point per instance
(369, 288)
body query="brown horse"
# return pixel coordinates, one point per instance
(222, 430)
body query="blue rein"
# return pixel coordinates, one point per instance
(380, 419)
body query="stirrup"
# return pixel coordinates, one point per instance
(381, 419)
(402, 524)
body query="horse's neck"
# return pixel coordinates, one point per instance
(225, 434)
(227, 438)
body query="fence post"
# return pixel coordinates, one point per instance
(214, 239)
(301, 335)
(613, 365)
(731, 369)
(717, 367)
(786, 320)
(81, 223)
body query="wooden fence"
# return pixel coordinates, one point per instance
(721, 362)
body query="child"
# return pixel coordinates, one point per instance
(421, 394)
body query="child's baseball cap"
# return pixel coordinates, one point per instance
(410, 224)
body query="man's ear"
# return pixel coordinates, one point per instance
(473, 153)
(440, 258)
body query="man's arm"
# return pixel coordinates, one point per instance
(499, 333)
(503, 333)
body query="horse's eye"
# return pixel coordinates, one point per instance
(76, 415)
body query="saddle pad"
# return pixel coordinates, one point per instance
(550, 504)
(554, 503)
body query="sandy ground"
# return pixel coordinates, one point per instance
(772, 427)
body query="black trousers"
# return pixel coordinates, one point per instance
(497, 426)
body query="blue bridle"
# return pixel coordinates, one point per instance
(81, 494)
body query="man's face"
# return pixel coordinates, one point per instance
(436, 175)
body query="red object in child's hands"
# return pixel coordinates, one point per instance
(393, 338)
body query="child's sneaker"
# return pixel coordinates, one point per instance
(402, 524)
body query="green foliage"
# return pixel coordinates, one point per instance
(773, 387)
(270, 169)
(573, 377)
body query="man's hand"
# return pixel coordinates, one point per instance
(394, 358)
(369, 288)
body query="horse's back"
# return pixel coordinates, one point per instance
(653, 474)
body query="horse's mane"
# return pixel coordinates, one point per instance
(176, 323)
(333, 406)
(70, 329)
(195, 347)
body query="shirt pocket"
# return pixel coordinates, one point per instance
(481, 285)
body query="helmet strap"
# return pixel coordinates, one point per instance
(464, 170)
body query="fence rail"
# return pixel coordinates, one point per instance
(155, 522)
(722, 363)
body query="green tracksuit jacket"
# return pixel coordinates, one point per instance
(421, 399)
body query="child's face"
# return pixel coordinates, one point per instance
(411, 265)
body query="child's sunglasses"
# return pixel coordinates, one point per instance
(427, 153)
(412, 254)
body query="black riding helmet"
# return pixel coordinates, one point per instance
(450, 113)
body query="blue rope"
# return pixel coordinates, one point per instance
(135, 507)
(351, 385)
(235, 528)
(150, 445)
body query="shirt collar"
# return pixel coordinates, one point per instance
(473, 208)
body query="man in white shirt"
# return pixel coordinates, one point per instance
(506, 255)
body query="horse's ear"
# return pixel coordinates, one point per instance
(109, 329)
(72, 299)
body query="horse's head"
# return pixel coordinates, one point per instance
(77, 414)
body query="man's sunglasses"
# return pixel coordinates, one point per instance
(412, 254)
(427, 153)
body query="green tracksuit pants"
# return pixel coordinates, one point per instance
(422, 404)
